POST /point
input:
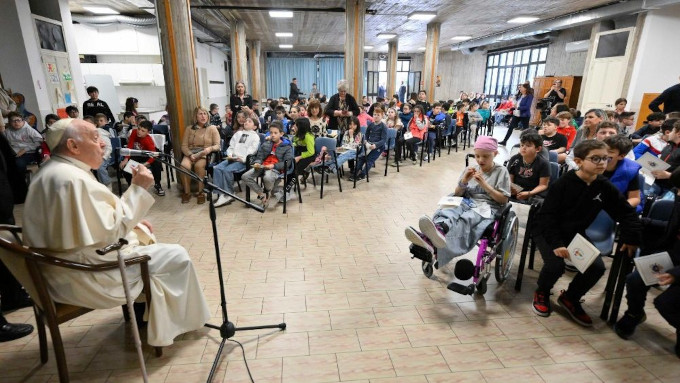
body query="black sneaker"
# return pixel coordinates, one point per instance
(625, 327)
(11, 331)
(541, 304)
(159, 190)
(575, 310)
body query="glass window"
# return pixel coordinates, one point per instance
(534, 55)
(382, 65)
(525, 56)
(505, 70)
(541, 70)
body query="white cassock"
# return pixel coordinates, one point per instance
(69, 214)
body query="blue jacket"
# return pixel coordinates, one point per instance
(376, 134)
(405, 118)
(625, 171)
(525, 105)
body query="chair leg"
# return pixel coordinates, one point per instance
(126, 313)
(285, 196)
(322, 174)
(614, 272)
(532, 253)
(626, 268)
(387, 160)
(337, 173)
(422, 151)
(59, 354)
(42, 336)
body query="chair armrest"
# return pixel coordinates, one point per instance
(501, 213)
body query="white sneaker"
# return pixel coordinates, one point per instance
(278, 196)
(223, 200)
(430, 230)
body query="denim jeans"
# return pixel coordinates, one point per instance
(346, 156)
(223, 174)
(431, 141)
(103, 173)
(369, 160)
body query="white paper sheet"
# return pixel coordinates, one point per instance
(582, 253)
(128, 167)
(651, 162)
(650, 266)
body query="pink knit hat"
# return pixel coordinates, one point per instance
(486, 143)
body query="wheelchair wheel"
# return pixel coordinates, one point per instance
(428, 270)
(505, 252)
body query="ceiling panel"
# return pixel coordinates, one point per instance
(325, 31)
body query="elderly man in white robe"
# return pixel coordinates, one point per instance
(69, 215)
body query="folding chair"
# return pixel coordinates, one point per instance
(165, 130)
(290, 181)
(330, 144)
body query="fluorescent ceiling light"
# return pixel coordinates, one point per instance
(523, 20)
(387, 35)
(285, 46)
(461, 38)
(284, 34)
(368, 47)
(287, 14)
(100, 10)
(425, 16)
(421, 48)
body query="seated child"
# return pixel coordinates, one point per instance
(455, 231)
(656, 142)
(573, 202)
(376, 138)
(528, 169)
(623, 172)
(636, 290)
(671, 155)
(351, 139)
(141, 140)
(565, 128)
(654, 121)
(626, 122)
(553, 141)
(104, 135)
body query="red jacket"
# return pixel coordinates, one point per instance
(146, 143)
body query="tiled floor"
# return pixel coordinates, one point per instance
(358, 308)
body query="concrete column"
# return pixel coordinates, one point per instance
(255, 50)
(431, 59)
(355, 12)
(239, 61)
(179, 66)
(263, 75)
(392, 53)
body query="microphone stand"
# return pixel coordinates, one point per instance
(227, 328)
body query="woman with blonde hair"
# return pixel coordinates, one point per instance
(200, 139)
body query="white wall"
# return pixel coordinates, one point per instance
(71, 47)
(130, 54)
(656, 65)
(20, 63)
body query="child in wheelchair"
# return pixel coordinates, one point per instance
(485, 189)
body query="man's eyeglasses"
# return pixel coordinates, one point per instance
(596, 160)
(16, 120)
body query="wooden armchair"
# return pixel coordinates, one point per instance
(25, 265)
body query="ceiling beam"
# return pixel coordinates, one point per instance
(256, 8)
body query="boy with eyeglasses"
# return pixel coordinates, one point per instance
(573, 202)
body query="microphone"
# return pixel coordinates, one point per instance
(138, 153)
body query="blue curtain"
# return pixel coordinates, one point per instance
(280, 72)
(331, 70)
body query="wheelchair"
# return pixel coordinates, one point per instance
(498, 242)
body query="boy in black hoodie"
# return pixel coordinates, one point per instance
(572, 204)
(668, 302)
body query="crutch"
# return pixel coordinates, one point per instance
(130, 302)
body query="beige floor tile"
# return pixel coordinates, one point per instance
(568, 349)
(308, 321)
(522, 328)
(610, 346)
(282, 304)
(369, 299)
(155, 374)
(382, 338)
(416, 361)
(401, 379)
(352, 318)
(467, 357)
(315, 368)
(566, 373)
(264, 290)
(327, 302)
(620, 370)
(395, 316)
(433, 334)
(440, 313)
(509, 353)
(336, 341)
(283, 344)
(409, 297)
(343, 285)
(483, 310)
(456, 377)
(664, 367)
(365, 365)
(303, 287)
(477, 331)
(512, 375)
(263, 370)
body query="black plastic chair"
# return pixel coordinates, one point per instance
(330, 144)
(115, 147)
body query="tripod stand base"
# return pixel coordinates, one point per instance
(228, 330)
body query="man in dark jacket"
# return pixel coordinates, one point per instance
(295, 92)
(670, 98)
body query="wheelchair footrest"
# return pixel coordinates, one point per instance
(420, 253)
(461, 289)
